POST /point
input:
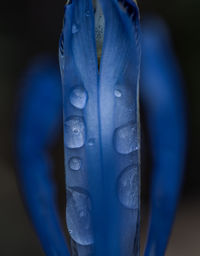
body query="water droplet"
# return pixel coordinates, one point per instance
(74, 132)
(78, 97)
(91, 142)
(117, 93)
(75, 163)
(75, 28)
(87, 13)
(128, 187)
(79, 217)
(126, 139)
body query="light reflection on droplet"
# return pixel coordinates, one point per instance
(91, 142)
(117, 93)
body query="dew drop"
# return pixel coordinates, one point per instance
(117, 93)
(87, 13)
(78, 97)
(75, 163)
(74, 131)
(78, 215)
(128, 187)
(75, 28)
(91, 142)
(125, 139)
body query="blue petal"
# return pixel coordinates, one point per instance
(98, 132)
(163, 98)
(38, 122)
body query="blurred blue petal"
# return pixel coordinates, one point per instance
(162, 94)
(38, 125)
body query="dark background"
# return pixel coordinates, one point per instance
(30, 28)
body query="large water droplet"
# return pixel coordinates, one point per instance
(128, 187)
(78, 97)
(79, 217)
(74, 132)
(75, 28)
(75, 163)
(125, 139)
